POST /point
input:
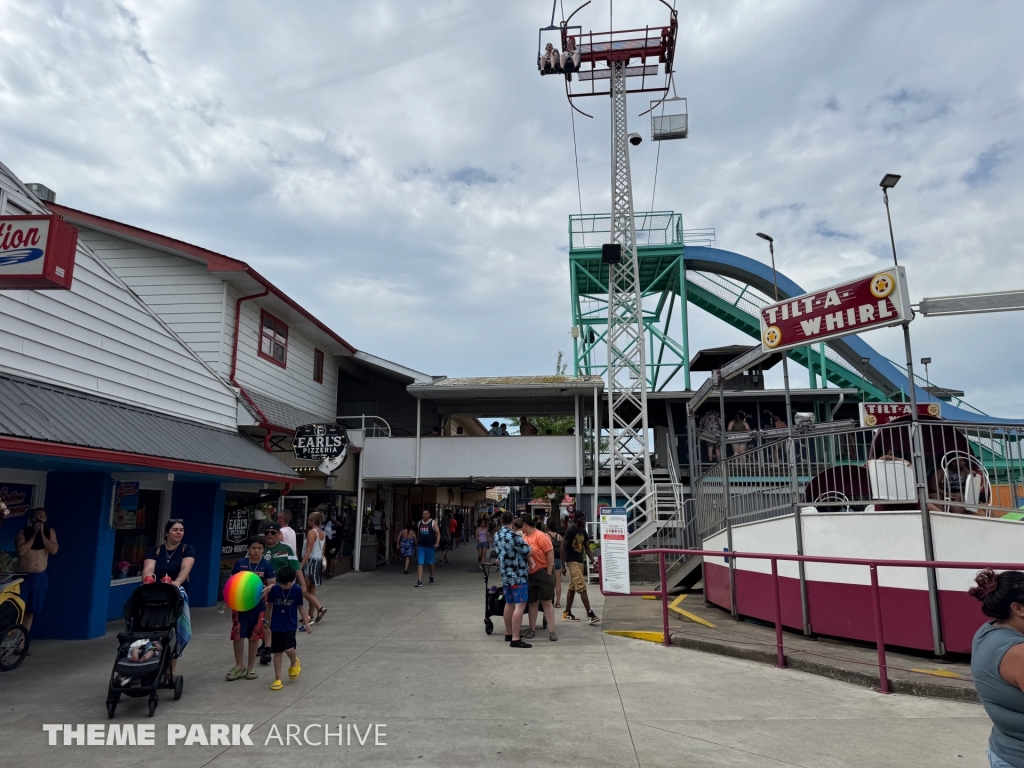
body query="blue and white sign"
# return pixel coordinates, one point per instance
(37, 252)
(22, 245)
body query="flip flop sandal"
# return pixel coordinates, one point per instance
(277, 685)
(250, 674)
(236, 673)
(319, 615)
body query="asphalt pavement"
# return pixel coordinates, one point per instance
(411, 674)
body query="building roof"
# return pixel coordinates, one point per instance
(395, 371)
(237, 273)
(507, 395)
(714, 358)
(443, 387)
(282, 414)
(42, 419)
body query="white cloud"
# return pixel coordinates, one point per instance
(401, 169)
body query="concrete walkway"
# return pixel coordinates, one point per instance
(418, 661)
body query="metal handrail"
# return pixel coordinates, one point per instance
(836, 453)
(872, 564)
(377, 424)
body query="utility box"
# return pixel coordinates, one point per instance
(368, 553)
(43, 192)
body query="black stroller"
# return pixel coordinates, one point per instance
(151, 613)
(494, 601)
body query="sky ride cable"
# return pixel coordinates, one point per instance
(575, 152)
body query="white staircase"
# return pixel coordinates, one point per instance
(668, 501)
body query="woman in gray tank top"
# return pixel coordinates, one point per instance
(997, 663)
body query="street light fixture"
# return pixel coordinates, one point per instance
(864, 375)
(887, 183)
(791, 449)
(889, 180)
(917, 444)
(925, 361)
(775, 279)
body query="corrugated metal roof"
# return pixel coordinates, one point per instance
(281, 414)
(505, 389)
(506, 381)
(35, 411)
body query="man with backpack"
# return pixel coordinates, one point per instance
(575, 547)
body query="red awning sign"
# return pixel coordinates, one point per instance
(36, 252)
(874, 301)
(879, 414)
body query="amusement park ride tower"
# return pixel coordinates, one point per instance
(614, 64)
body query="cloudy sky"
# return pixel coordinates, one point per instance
(401, 169)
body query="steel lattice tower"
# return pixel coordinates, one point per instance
(588, 60)
(627, 366)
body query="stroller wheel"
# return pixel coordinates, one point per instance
(265, 656)
(111, 709)
(179, 686)
(152, 706)
(488, 626)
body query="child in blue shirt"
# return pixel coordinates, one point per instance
(248, 625)
(284, 605)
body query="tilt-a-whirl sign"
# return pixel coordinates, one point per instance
(874, 301)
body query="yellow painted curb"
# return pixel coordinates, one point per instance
(939, 673)
(651, 637)
(674, 606)
(649, 597)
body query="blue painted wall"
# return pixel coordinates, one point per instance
(200, 506)
(116, 598)
(78, 506)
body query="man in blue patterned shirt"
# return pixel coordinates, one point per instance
(512, 553)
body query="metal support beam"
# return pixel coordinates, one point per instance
(627, 364)
(419, 429)
(684, 316)
(597, 450)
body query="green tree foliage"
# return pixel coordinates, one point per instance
(559, 425)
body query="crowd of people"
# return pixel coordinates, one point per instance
(532, 561)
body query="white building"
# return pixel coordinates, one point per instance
(101, 400)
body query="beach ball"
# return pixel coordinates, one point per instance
(243, 591)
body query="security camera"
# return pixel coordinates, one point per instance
(635, 139)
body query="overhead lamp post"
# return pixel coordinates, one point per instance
(925, 361)
(917, 444)
(864, 376)
(794, 486)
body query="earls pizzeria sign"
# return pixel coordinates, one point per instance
(36, 252)
(320, 442)
(875, 301)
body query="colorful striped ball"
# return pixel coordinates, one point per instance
(243, 591)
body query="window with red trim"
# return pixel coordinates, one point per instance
(273, 339)
(318, 366)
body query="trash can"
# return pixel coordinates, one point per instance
(368, 553)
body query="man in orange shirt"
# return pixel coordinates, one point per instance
(541, 580)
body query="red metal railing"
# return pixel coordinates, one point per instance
(872, 565)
